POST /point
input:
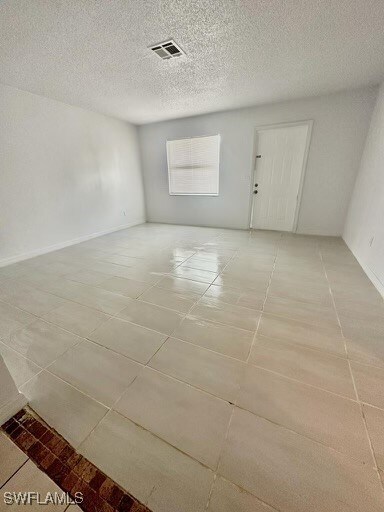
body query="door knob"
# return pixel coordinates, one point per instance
(255, 191)
(256, 184)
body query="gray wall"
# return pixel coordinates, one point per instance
(65, 174)
(340, 125)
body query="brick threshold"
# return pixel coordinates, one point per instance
(72, 472)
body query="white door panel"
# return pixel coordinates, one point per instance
(278, 175)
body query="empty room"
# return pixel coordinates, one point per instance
(192, 255)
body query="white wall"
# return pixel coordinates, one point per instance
(340, 125)
(364, 228)
(65, 174)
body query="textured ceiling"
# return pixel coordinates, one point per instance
(93, 53)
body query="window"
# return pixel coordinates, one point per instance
(193, 166)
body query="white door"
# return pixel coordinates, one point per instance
(277, 176)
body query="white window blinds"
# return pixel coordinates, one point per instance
(193, 166)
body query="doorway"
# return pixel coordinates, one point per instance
(280, 159)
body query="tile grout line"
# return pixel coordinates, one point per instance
(125, 390)
(238, 391)
(377, 471)
(233, 406)
(15, 472)
(109, 409)
(144, 366)
(263, 305)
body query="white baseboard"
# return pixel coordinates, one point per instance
(11, 408)
(67, 243)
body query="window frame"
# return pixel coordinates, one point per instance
(201, 194)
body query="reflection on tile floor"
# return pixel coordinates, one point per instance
(207, 369)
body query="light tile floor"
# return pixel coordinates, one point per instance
(207, 369)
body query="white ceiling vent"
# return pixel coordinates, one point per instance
(167, 50)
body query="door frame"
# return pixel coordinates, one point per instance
(307, 122)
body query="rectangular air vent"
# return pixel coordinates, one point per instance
(167, 50)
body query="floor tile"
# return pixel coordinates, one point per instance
(217, 311)
(184, 286)
(228, 497)
(300, 333)
(156, 267)
(189, 419)
(355, 305)
(21, 368)
(42, 342)
(307, 312)
(300, 291)
(96, 371)
(29, 478)
(247, 273)
(60, 268)
(206, 370)
(63, 407)
(375, 424)
(126, 272)
(358, 320)
(76, 318)
(62, 288)
(355, 309)
(366, 347)
(11, 458)
(109, 268)
(343, 292)
(102, 300)
(369, 382)
(244, 284)
(214, 257)
(254, 262)
(28, 298)
(289, 273)
(203, 276)
(143, 275)
(329, 419)
(12, 318)
(153, 317)
(38, 279)
(247, 299)
(157, 474)
(202, 264)
(309, 366)
(124, 286)
(293, 473)
(131, 340)
(14, 270)
(224, 339)
(169, 299)
(87, 277)
(119, 259)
